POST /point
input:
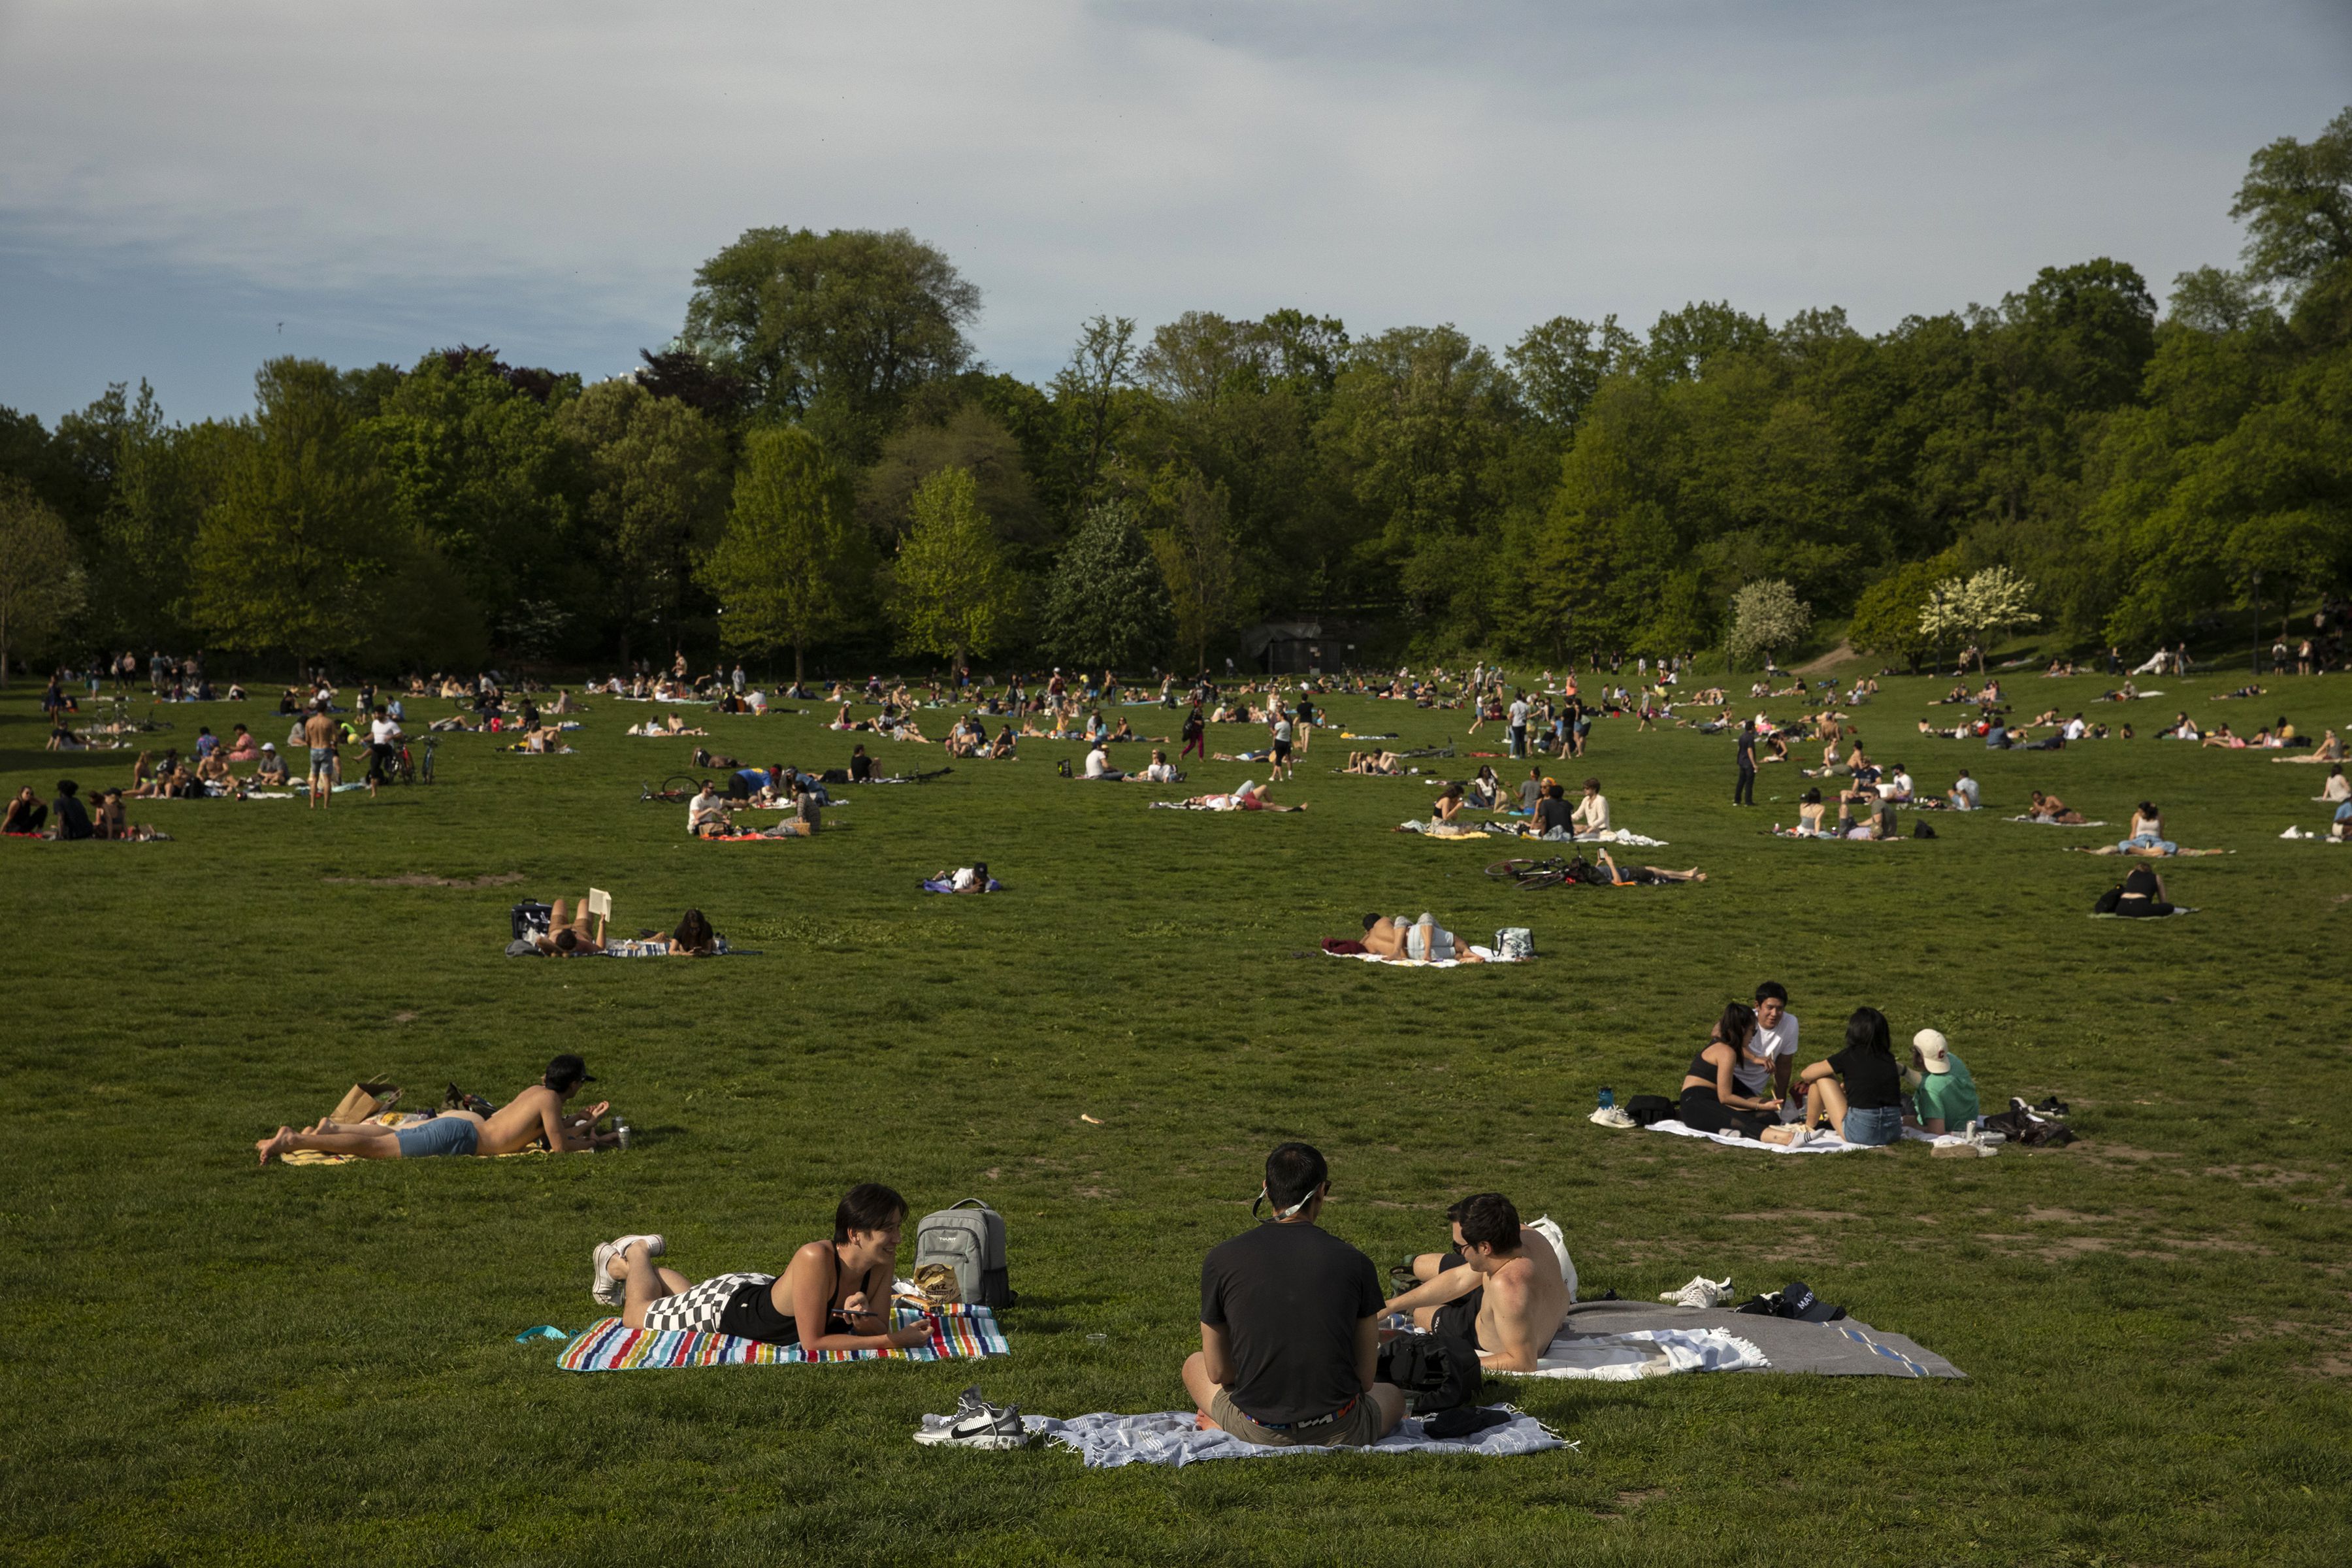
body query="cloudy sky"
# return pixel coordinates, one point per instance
(189, 186)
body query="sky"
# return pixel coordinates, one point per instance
(188, 187)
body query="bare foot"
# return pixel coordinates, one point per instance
(277, 1142)
(1697, 875)
(1200, 1422)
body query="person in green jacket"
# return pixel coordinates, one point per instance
(1944, 1096)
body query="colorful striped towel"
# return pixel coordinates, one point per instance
(958, 1333)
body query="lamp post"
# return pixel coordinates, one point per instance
(2256, 657)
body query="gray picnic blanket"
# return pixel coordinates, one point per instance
(1847, 1348)
(1170, 1437)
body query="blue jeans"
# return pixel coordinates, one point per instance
(1881, 1124)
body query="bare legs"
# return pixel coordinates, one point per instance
(364, 1141)
(1825, 1105)
(643, 1282)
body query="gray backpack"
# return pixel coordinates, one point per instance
(1515, 942)
(969, 1238)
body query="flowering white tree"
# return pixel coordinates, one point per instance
(1766, 616)
(1990, 602)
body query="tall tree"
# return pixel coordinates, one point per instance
(1106, 602)
(951, 593)
(289, 557)
(1201, 565)
(788, 570)
(1091, 394)
(833, 328)
(657, 479)
(40, 580)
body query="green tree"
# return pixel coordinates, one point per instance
(834, 329)
(657, 479)
(1094, 396)
(1106, 602)
(2296, 201)
(953, 433)
(1887, 616)
(788, 568)
(1201, 565)
(40, 579)
(290, 557)
(951, 593)
(1560, 365)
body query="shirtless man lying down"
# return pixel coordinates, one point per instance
(536, 1113)
(1501, 1288)
(1422, 939)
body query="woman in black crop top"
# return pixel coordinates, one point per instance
(1711, 1101)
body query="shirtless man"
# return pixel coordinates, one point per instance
(319, 734)
(833, 1296)
(1422, 939)
(534, 1114)
(1502, 1288)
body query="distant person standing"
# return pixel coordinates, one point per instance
(1743, 793)
(320, 735)
(1520, 725)
(1281, 760)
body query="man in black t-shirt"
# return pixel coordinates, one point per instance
(1290, 1325)
(1552, 813)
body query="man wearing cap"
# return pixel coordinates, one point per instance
(273, 766)
(534, 1115)
(1943, 1094)
(1290, 1325)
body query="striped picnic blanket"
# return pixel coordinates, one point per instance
(958, 1333)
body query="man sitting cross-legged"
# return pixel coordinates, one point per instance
(1290, 1325)
(1502, 1288)
(833, 1296)
(535, 1114)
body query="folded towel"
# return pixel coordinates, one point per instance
(1172, 1438)
(1644, 1353)
(958, 1333)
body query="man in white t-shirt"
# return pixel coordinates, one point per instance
(1098, 765)
(706, 814)
(2074, 728)
(1591, 818)
(1519, 726)
(1771, 1056)
(384, 733)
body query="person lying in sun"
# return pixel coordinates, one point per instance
(1422, 940)
(533, 1116)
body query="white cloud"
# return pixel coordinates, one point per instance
(1488, 166)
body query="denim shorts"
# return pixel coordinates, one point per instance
(441, 1135)
(1880, 1124)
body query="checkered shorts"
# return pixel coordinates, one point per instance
(696, 1308)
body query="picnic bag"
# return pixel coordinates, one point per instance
(969, 1238)
(1515, 942)
(1436, 1372)
(529, 919)
(1648, 1110)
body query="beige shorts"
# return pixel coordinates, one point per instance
(1359, 1428)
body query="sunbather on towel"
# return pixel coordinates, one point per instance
(833, 1296)
(1500, 1288)
(1290, 1325)
(2049, 808)
(1628, 876)
(1248, 797)
(1422, 939)
(568, 937)
(533, 1116)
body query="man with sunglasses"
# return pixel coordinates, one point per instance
(1506, 1288)
(1290, 1325)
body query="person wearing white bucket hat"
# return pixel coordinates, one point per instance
(1942, 1094)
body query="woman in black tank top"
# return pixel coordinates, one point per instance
(1711, 1100)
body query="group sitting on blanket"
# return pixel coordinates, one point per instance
(832, 1296)
(1743, 1081)
(533, 1117)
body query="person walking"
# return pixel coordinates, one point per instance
(1743, 793)
(1196, 732)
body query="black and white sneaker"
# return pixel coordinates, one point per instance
(976, 1423)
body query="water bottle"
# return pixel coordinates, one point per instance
(1608, 1096)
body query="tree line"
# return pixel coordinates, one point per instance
(818, 465)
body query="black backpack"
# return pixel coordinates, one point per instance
(529, 919)
(1921, 830)
(1648, 1110)
(1436, 1372)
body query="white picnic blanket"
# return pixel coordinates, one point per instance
(1485, 953)
(1106, 1439)
(1820, 1144)
(2044, 822)
(1642, 1353)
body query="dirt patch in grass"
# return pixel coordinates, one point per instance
(422, 880)
(1785, 1215)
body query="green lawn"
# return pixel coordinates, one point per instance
(204, 1362)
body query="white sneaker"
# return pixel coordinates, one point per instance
(1800, 1135)
(1610, 1116)
(1701, 1291)
(608, 1291)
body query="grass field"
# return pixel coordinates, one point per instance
(207, 1363)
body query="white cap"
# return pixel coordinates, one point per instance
(1934, 1051)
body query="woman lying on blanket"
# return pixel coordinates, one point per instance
(833, 1296)
(1422, 939)
(534, 1115)
(1384, 763)
(1248, 797)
